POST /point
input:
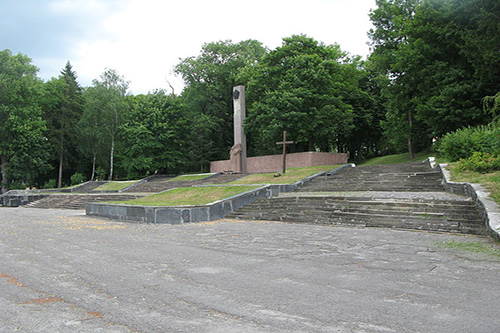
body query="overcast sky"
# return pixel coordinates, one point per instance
(144, 39)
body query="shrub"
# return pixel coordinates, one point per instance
(52, 183)
(462, 143)
(77, 178)
(480, 162)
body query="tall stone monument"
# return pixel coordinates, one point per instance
(239, 149)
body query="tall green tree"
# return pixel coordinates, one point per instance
(432, 52)
(154, 135)
(23, 154)
(209, 78)
(62, 111)
(301, 87)
(105, 102)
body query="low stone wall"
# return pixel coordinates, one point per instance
(178, 214)
(490, 212)
(16, 198)
(273, 163)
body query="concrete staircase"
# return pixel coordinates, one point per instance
(78, 201)
(407, 196)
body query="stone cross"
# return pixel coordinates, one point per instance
(238, 153)
(284, 143)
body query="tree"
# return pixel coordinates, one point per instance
(301, 87)
(209, 79)
(23, 144)
(63, 109)
(105, 102)
(432, 54)
(155, 135)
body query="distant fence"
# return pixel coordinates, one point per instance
(273, 163)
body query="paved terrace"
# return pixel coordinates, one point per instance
(61, 271)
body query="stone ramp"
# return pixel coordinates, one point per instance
(406, 196)
(78, 201)
(162, 183)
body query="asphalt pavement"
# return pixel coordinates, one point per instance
(61, 271)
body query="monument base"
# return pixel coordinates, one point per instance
(273, 163)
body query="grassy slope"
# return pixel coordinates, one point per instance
(115, 185)
(191, 177)
(400, 158)
(291, 175)
(188, 196)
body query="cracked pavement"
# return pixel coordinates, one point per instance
(61, 271)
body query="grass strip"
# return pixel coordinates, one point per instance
(476, 247)
(190, 177)
(489, 180)
(401, 158)
(185, 196)
(291, 175)
(115, 185)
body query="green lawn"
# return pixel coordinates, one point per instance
(115, 185)
(401, 158)
(191, 177)
(291, 175)
(188, 196)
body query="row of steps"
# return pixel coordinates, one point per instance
(414, 177)
(457, 216)
(78, 201)
(406, 196)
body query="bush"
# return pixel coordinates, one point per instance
(462, 143)
(77, 178)
(480, 162)
(52, 183)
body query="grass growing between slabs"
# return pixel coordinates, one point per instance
(185, 196)
(476, 247)
(291, 175)
(115, 185)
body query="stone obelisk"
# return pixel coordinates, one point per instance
(239, 149)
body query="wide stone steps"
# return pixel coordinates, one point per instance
(78, 201)
(448, 216)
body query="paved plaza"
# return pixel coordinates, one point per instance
(61, 271)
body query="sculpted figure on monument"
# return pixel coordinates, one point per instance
(235, 154)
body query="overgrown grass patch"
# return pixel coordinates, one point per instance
(402, 158)
(188, 196)
(489, 180)
(291, 175)
(191, 177)
(476, 247)
(116, 185)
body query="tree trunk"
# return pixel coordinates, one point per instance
(410, 135)
(5, 181)
(111, 159)
(93, 167)
(59, 177)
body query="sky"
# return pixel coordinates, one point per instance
(144, 39)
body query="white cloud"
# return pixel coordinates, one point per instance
(149, 36)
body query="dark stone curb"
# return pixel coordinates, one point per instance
(490, 212)
(201, 213)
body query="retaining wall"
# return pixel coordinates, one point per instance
(490, 211)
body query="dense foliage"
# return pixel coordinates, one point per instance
(433, 70)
